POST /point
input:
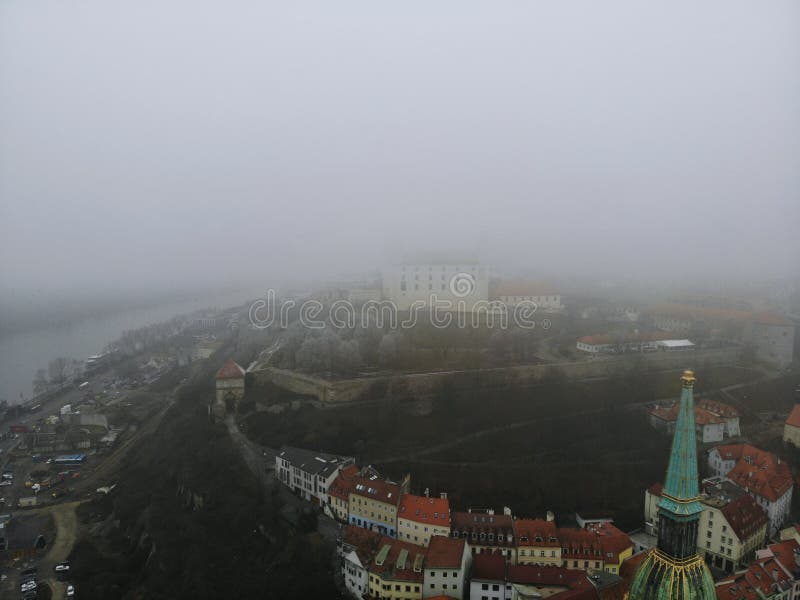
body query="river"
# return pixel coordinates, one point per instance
(21, 354)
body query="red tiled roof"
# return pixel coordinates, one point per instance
(656, 489)
(444, 552)
(230, 370)
(376, 489)
(366, 542)
(745, 516)
(535, 532)
(784, 553)
(489, 566)
(759, 581)
(760, 472)
(389, 569)
(718, 408)
(794, 417)
(344, 483)
(613, 540)
(424, 510)
(701, 416)
(498, 526)
(579, 544)
(545, 575)
(520, 287)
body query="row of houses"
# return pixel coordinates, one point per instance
(761, 474)
(713, 420)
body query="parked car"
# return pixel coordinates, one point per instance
(61, 567)
(70, 591)
(6, 482)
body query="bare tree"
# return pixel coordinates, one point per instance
(57, 370)
(40, 382)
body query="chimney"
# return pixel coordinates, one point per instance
(550, 516)
(443, 495)
(507, 511)
(427, 492)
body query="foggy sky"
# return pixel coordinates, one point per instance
(168, 143)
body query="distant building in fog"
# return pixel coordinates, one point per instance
(450, 278)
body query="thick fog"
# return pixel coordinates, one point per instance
(150, 144)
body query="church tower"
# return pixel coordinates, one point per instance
(673, 570)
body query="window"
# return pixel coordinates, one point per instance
(485, 586)
(495, 588)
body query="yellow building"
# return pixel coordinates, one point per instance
(420, 517)
(372, 504)
(791, 429)
(537, 542)
(339, 492)
(396, 572)
(615, 543)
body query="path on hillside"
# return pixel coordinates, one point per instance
(414, 455)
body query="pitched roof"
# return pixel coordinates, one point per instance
(745, 516)
(545, 575)
(701, 415)
(421, 509)
(399, 561)
(656, 489)
(314, 463)
(499, 527)
(230, 370)
(761, 472)
(579, 543)
(793, 420)
(489, 566)
(613, 540)
(445, 552)
(364, 542)
(535, 532)
(344, 483)
(785, 553)
(376, 488)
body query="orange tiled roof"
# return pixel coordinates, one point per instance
(794, 417)
(444, 552)
(536, 532)
(762, 473)
(701, 415)
(656, 489)
(424, 510)
(230, 370)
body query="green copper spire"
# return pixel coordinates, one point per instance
(681, 494)
(673, 570)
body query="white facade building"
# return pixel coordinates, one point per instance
(307, 473)
(447, 279)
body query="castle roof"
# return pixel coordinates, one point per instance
(230, 370)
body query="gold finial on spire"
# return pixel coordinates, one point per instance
(688, 378)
